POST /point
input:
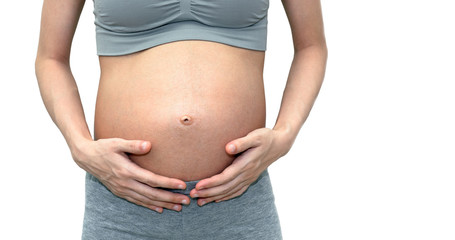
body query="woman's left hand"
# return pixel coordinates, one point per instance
(255, 152)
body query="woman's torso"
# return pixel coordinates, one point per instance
(188, 98)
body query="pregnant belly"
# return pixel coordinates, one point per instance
(189, 105)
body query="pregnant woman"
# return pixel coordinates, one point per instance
(180, 149)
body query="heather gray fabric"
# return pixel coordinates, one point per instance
(250, 216)
(124, 27)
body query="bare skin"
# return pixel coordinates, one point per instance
(187, 98)
(248, 154)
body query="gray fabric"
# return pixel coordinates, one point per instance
(124, 27)
(250, 216)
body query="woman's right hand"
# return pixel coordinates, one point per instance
(106, 159)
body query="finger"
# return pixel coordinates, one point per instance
(232, 194)
(213, 191)
(237, 168)
(154, 180)
(124, 193)
(239, 145)
(159, 194)
(139, 199)
(224, 177)
(133, 146)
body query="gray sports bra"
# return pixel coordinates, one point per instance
(128, 26)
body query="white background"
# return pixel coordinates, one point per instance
(375, 159)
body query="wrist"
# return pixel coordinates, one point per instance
(285, 139)
(78, 148)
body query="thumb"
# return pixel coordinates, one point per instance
(135, 146)
(242, 144)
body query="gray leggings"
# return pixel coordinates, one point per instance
(250, 216)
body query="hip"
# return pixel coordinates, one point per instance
(252, 215)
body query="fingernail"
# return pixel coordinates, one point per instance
(203, 202)
(144, 145)
(176, 207)
(231, 148)
(180, 186)
(184, 201)
(195, 195)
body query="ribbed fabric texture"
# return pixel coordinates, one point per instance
(128, 26)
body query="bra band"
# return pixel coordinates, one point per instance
(124, 27)
(114, 43)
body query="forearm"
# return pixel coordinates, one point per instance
(304, 82)
(61, 99)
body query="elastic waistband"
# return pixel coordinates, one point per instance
(192, 184)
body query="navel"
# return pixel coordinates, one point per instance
(186, 120)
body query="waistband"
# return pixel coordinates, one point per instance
(189, 186)
(192, 184)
